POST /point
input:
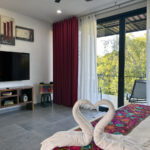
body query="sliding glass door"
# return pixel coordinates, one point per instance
(135, 54)
(107, 60)
(121, 58)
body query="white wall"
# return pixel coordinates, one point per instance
(148, 53)
(40, 51)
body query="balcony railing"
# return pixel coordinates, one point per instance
(108, 84)
(108, 87)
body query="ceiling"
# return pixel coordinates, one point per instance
(133, 24)
(46, 9)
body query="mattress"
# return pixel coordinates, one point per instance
(133, 117)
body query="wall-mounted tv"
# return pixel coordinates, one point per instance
(14, 66)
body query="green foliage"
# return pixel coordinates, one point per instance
(135, 65)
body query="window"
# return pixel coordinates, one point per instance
(121, 55)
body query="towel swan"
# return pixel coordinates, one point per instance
(109, 141)
(72, 138)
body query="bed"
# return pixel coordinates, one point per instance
(133, 117)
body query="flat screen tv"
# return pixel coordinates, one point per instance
(14, 66)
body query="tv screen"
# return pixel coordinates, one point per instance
(14, 66)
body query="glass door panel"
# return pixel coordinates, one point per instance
(107, 60)
(135, 54)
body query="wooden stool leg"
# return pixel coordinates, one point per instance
(41, 99)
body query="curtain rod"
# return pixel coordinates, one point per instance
(114, 7)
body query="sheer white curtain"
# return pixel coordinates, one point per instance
(87, 74)
(148, 52)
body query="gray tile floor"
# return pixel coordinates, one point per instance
(24, 129)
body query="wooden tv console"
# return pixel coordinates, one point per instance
(15, 95)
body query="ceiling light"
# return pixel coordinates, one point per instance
(59, 11)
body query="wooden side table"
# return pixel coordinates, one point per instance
(16, 96)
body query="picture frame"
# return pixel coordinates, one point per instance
(25, 34)
(7, 30)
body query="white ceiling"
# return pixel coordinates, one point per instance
(46, 9)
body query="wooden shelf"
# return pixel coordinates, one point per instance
(17, 95)
(22, 103)
(9, 105)
(8, 96)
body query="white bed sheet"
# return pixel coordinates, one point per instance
(141, 132)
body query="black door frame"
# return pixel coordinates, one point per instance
(121, 17)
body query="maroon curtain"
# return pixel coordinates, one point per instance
(65, 61)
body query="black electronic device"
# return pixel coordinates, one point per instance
(14, 66)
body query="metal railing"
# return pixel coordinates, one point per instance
(108, 84)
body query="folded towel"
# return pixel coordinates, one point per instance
(72, 138)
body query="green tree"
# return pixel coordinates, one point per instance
(135, 60)
(135, 65)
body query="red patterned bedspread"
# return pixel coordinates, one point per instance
(126, 118)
